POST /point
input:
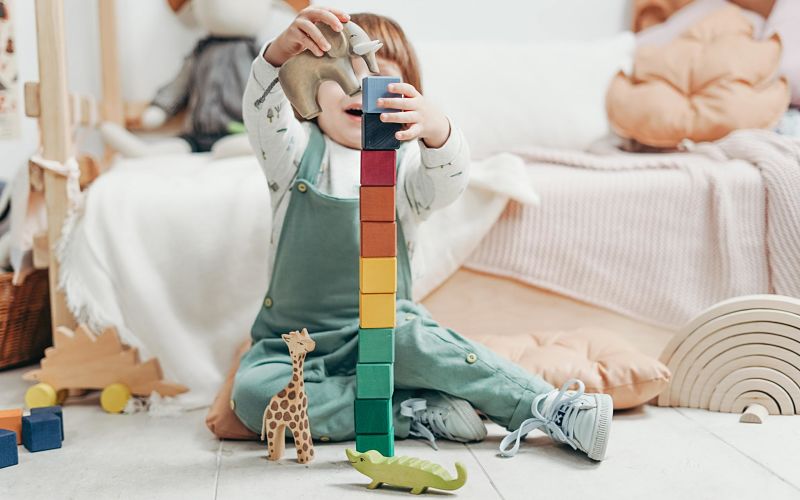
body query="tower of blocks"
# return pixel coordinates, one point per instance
(378, 272)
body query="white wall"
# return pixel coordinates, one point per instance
(152, 42)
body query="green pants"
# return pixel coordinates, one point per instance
(427, 356)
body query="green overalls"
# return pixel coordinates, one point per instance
(314, 285)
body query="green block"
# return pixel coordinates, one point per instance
(373, 416)
(374, 380)
(376, 345)
(384, 443)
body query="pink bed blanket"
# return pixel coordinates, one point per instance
(657, 236)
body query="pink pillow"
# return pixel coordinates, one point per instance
(688, 16)
(785, 21)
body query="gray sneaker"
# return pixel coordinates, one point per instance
(583, 421)
(440, 415)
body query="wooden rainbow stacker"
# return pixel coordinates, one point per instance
(378, 272)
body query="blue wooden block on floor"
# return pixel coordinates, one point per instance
(378, 135)
(8, 448)
(51, 410)
(374, 88)
(41, 432)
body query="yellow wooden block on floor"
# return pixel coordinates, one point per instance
(377, 310)
(378, 274)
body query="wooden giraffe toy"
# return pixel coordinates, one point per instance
(289, 408)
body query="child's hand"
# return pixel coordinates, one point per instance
(302, 34)
(421, 119)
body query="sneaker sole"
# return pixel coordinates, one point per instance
(605, 409)
(467, 414)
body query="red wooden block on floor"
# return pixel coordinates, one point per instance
(378, 168)
(377, 203)
(378, 239)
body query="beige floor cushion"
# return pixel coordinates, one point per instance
(604, 361)
(601, 359)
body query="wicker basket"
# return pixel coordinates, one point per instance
(24, 319)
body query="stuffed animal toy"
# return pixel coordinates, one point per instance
(209, 86)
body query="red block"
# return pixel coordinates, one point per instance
(378, 168)
(378, 239)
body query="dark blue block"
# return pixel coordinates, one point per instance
(377, 135)
(41, 432)
(8, 448)
(51, 410)
(374, 88)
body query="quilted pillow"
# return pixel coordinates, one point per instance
(712, 80)
(601, 359)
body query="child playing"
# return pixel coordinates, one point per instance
(312, 170)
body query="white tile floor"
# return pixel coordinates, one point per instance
(654, 452)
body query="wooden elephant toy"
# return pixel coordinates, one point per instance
(302, 75)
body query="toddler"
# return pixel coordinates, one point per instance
(312, 171)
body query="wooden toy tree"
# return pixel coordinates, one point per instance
(378, 272)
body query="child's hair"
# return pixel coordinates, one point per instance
(396, 47)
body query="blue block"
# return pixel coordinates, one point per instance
(374, 88)
(378, 135)
(51, 410)
(41, 432)
(8, 448)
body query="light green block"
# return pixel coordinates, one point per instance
(374, 381)
(373, 416)
(383, 443)
(376, 345)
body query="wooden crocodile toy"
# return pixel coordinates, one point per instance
(407, 472)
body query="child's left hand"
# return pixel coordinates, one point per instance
(421, 119)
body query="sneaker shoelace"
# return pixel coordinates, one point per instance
(426, 423)
(558, 421)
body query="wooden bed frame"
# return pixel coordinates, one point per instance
(58, 114)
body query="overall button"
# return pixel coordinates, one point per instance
(472, 358)
(324, 439)
(302, 187)
(233, 405)
(410, 317)
(268, 302)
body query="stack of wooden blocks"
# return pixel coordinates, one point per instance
(378, 272)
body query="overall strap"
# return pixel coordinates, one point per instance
(404, 279)
(312, 156)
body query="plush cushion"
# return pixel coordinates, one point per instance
(601, 359)
(785, 21)
(508, 95)
(712, 80)
(604, 362)
(685, 18)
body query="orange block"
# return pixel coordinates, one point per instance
(378, 239)
(11, 420)
(377, 203)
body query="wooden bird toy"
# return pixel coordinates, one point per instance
(289, 408)
(82, 360)
(407, 472)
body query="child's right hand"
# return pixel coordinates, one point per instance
(302, 34)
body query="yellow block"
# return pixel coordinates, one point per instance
(378, 274)
(377, 310)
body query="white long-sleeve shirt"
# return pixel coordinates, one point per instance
(427, 178)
